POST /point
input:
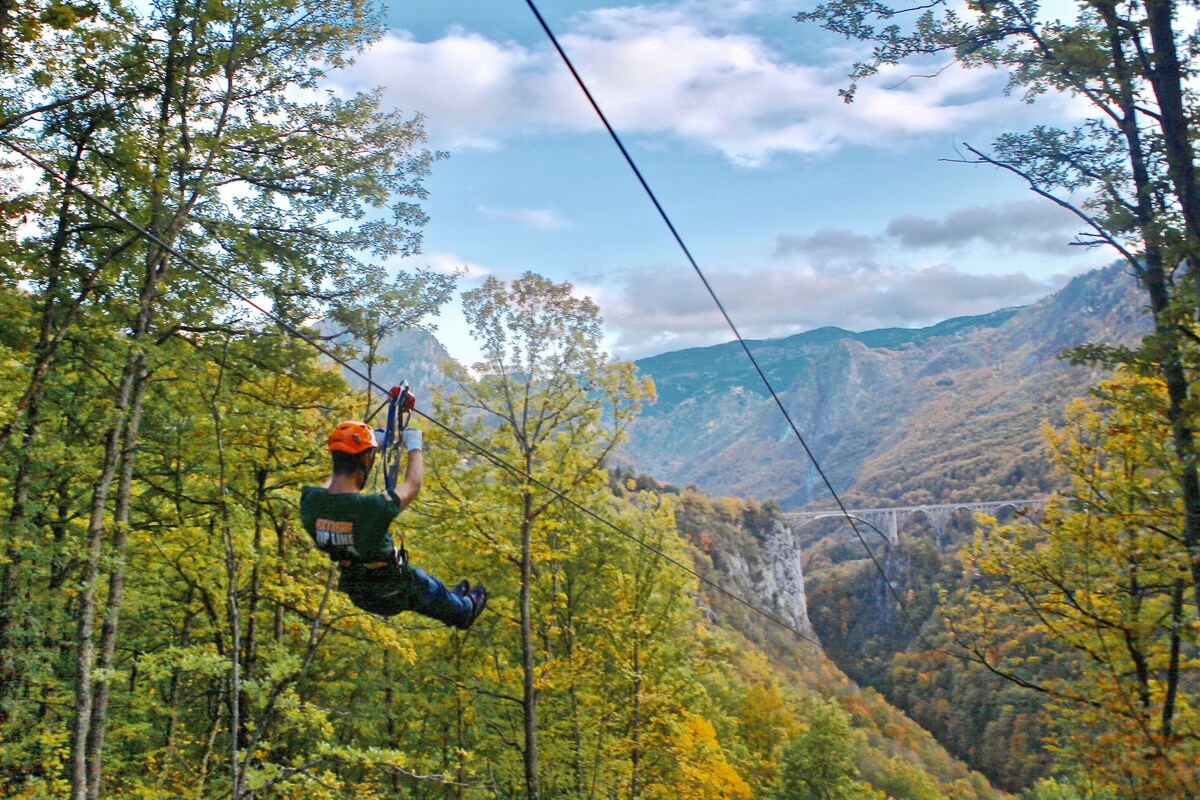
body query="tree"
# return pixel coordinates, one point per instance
(384, 309)
(818, 763)
(702, 770)
(1092, 600)
(1133, 159)
(549, 401)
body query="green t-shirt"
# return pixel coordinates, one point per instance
(349, 526)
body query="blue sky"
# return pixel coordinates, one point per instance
(802, 210)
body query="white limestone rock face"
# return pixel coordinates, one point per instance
(767, 573)
(784, 581)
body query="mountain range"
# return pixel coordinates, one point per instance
(946, 413)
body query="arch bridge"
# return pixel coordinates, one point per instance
(887, 522)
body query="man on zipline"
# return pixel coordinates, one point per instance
(352, 529)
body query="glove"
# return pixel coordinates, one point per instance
(411, 439)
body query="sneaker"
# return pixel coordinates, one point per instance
(462, 588)
(478, 598)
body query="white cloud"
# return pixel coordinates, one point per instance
(1035, 226)
(444, 263)
(668, 309)
(830, 248)
(542, 219)
(671, 72)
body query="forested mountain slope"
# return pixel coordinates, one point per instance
(894, 416)
(742, 546)
(943, 414)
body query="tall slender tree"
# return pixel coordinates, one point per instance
(548, 400)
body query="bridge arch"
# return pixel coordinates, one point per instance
(887, 522)
(888, 536)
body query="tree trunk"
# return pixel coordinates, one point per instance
(1165, 79)
(530, 694)
(125, 447)
(58, 315)
(116, 580)
(172, 697)
(53, 328)
(250, 640)
(85, 658)
(1172, 693)
(281, 530)
(10, 589)
(389, 703)
(460, 727)
(579, 768)
(635, 721)
(232, 610)
(1167, 353)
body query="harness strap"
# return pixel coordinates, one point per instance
(399, 560)
(391, 445)
(364, 564)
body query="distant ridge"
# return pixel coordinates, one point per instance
(780, 357)
(879, 337)
(903, 416)
(886, 411)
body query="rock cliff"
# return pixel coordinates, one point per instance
(765, 570)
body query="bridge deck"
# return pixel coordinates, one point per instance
(988, 505)
(891, 518)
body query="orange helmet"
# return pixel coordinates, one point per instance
(352, 438)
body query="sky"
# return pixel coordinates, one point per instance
(802, 210)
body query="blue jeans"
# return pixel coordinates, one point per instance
(390, 590)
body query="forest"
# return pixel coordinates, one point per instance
(193, 246)
(193, 241)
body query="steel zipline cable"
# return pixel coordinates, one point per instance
(292, 330)
(720, 306)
